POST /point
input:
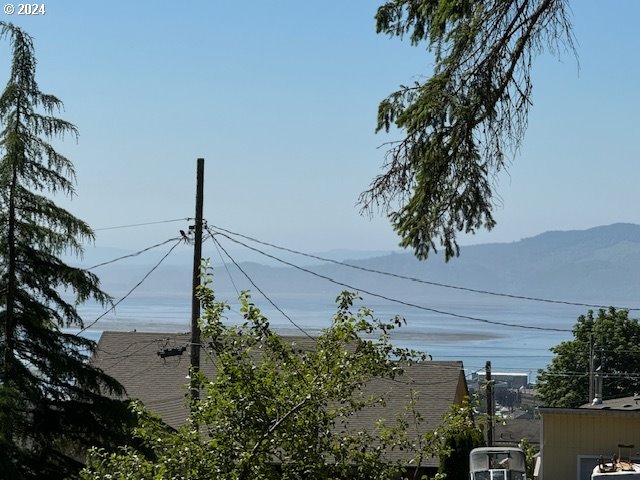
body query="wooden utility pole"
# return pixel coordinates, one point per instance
(490, 404)
(195, 303)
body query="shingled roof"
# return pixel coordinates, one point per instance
(512, 431)
(133, 359)
(622, 403)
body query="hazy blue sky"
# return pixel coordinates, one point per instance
(281, 97)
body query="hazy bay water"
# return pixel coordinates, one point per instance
(443, 337)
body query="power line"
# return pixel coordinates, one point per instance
(130, 345)
(304, 332)
(390, 299)
(621, 375)
(488, 347)
(419, 280)
(142, 224)
(119, 358)
(493, 356)
(133, 254)
(225, 266)
(132, 289)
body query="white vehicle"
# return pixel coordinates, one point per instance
(618, 467)
(495, 463)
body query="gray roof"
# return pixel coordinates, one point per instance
(625, 406)
(132, 358)
(624, 403)
(511, 431)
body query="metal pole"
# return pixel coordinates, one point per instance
(195, 303)
(601, 385)
(591, 379)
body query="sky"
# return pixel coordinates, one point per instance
(280, 98)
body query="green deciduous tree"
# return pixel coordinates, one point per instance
(280, 410)
(616, 337)
(458, 435)
(462, 123)
(530, 452)
(50, 397)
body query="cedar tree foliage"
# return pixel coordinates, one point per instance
(462, 123)
(51, 401)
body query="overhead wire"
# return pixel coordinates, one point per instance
(218, 246)
(139, 252)
(419, 280)
(122, 352)
(345, 264)
(179, 240)
(493, 347)
(322, 259)
(623, 375)
(566, 374)
(225, 266)
(493, 356)
(120, 356)
(385, 297)
(136, 353)
(145, 368)
(302, 330)
(143, 224)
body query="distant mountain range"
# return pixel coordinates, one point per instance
(598, 265)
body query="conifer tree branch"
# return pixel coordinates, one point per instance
(463, 123)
